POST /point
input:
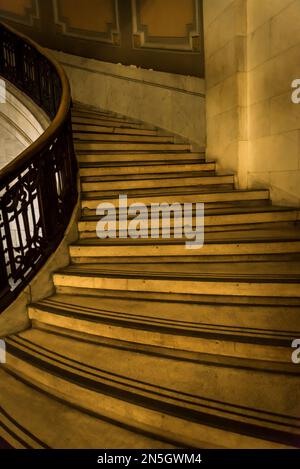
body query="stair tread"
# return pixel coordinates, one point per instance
(107, 137)
(154, 176)
(174, 318)
(127, 375)
(219, 211)
(110, 120)
(127, 146)
(242, 271)
(128, 371)
(67, 427)
(183, 191)
(146, 343)
(99, 114)
(87, 128)
(138, 158)
(276, 232)
(144, 165)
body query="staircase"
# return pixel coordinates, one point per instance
(146, 344)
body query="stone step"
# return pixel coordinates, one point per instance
(97, 160)
(216, 401)
(100, 129)
(142, 170)
(148, 344)
(89, 112)
(184, 195)
(247, 218)
(90, 146)
(173, 311)
(81, 137)
(153, 180)
(265, 238)
(82, 119)
(203, 328)
(92, 248)
(182, 298)
(23, 426)
(163, 230)
(273, 279)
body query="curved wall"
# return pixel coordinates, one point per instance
(21, 122)
(169, 101)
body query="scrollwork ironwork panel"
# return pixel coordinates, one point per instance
(38, 196)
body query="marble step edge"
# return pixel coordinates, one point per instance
(91, 248)
(162, 408)
(115, 130)
(255, 313)
(81, 137)
(24, 437)
(184, 195)
(232, 301)
(258, 345)
(151, 176)
(187, 328)
(231, 212)
(16, 435)
(157, 177)
(162, 158)
(114, 280)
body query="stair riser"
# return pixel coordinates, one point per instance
(181, 250)
(87, 229)
(228, 288)
(13, 442)
(86, 128)
(147, 158)
(126, 412)
(86, 114)
(131, 147)
(110, 122)
(232, 348)
(26, 422)
(257, 318)
(149, 183)
(147, 169)
(182, 198)
(81, 137)
(12, 434)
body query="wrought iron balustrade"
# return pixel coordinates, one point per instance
(38, 190)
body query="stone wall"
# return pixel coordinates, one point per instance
(170, 101)
(252, 52)
(225, 29)
(274, 121)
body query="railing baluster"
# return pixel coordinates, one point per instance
(39, 191)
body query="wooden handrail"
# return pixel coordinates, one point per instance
(38, 189)
(12, 168)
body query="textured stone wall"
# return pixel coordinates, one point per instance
(170, 101)
(252, 52)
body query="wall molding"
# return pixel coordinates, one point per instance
(111, 36)
(30, 18)
(192, 42)
(103, 30)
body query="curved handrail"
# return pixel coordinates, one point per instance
(38, 190)
(59, 118)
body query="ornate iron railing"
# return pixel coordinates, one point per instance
(38, 190)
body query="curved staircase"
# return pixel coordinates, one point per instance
(146, 344)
